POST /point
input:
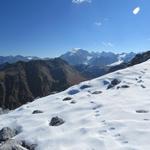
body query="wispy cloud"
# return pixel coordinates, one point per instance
(98, 23)
(136, 10)
(81, 1)
(108, 44)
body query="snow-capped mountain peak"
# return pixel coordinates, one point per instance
(79, 56)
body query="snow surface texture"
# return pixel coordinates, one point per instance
(96, 118)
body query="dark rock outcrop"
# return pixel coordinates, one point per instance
(139, 58)
(56, 121)
(125, 86)
(37, 112)
(67, 99)
(28, 146)
(6, 133)
(113, 83)
(12, 145)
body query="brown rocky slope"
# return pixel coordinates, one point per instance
(22, 82)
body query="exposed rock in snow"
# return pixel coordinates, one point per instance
(29, 146)
(56, 121)
(12, 145)
(123, 86)
(67, 99)
(6, 133)
(113, 83)
(37, 112)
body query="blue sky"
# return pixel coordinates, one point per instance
(48, 28)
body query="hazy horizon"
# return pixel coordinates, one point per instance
(119, 52)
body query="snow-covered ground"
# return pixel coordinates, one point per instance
(117, 118)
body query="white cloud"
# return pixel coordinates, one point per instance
(98, 23)
(81, 1)
(136, 10)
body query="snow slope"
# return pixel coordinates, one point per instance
(116, 119)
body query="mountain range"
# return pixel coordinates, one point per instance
(79, 57)
(95, 64)
(101, 59)
(13, 59)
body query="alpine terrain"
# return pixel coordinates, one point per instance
(95, 64)
(109, 112)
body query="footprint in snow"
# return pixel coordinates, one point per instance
(120, 138)
(125, 142)
(97, 111)
(97, 107)
(83, 130)
(102, 131)
(111, 128)
(117, 135)
(140, 81)
(143, 86)
(73, 102)
(97, 115)
(104, 122)
(143, 72)
(140, 77)
(97, 92)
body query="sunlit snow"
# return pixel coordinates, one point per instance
(96, 118)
